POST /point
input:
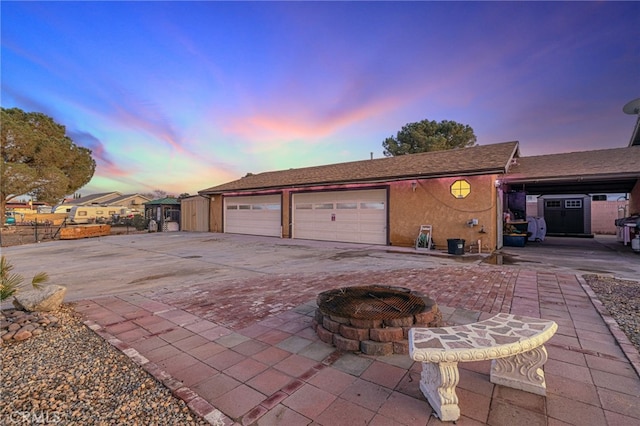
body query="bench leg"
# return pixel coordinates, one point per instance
(522, 371)
(438, 383)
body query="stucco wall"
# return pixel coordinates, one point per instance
(604, 215)
(433, 204)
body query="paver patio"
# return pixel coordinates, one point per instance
(243, 352)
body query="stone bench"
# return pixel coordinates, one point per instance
(513, 343)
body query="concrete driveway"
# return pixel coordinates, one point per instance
(139, 262)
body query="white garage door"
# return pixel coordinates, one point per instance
(253, 215)
(349, 216)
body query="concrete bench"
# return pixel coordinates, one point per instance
(513, 343)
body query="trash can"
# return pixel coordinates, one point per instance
(455, 246)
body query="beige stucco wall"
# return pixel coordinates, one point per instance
(433, 204)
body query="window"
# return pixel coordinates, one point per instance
(244, 207)
(347, 205)
(460, 188)
(552, 204)
(232, 207)
(572, 204)
(304, 206)
(324, 206)
(82, 213)
(372, 206)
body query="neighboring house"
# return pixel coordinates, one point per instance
(163, 214)
(461, 193)
(134, 202)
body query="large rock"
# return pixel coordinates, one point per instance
(48, 298)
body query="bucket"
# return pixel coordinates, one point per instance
(455, 246)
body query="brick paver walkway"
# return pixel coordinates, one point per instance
(243, 351)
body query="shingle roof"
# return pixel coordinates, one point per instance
(95, 198)
(614, 170)
(480, 159)
(615, 161)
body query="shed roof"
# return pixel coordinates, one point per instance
(163, 202)
(480, 159)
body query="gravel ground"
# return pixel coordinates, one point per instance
(70, 375)
(621, 298)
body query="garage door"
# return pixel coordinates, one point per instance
(349, 216)
(253, 215)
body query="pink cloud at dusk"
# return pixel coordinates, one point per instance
(199, 93)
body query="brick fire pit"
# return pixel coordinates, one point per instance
(374, 320)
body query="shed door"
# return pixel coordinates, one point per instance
(253, 215)
(349, 216)
(564, 216)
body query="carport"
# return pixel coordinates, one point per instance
(578, 175)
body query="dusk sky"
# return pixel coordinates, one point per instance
(182, 96)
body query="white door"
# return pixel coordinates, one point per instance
(253, 215)
(349, 216)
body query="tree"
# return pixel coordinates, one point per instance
(427, 135)
(39, 159)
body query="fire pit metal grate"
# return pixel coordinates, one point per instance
(370, 302)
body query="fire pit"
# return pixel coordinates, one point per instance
(374, 320)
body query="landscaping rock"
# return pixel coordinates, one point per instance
(46, 299)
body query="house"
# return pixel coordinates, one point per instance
(377, 201)
(462, 194)
(134, 202)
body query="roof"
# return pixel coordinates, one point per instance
(480, 159)
(126, 197)
(103, 197)
(606, 170)
(163, 201)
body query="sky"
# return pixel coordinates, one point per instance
(182, 96)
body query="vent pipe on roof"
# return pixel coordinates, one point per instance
(372, 155)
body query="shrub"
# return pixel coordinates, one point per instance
(11, 282)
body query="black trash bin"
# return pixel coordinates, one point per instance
(455, 246)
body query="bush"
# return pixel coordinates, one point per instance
(11, 283)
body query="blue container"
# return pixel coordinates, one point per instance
(514, 240)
